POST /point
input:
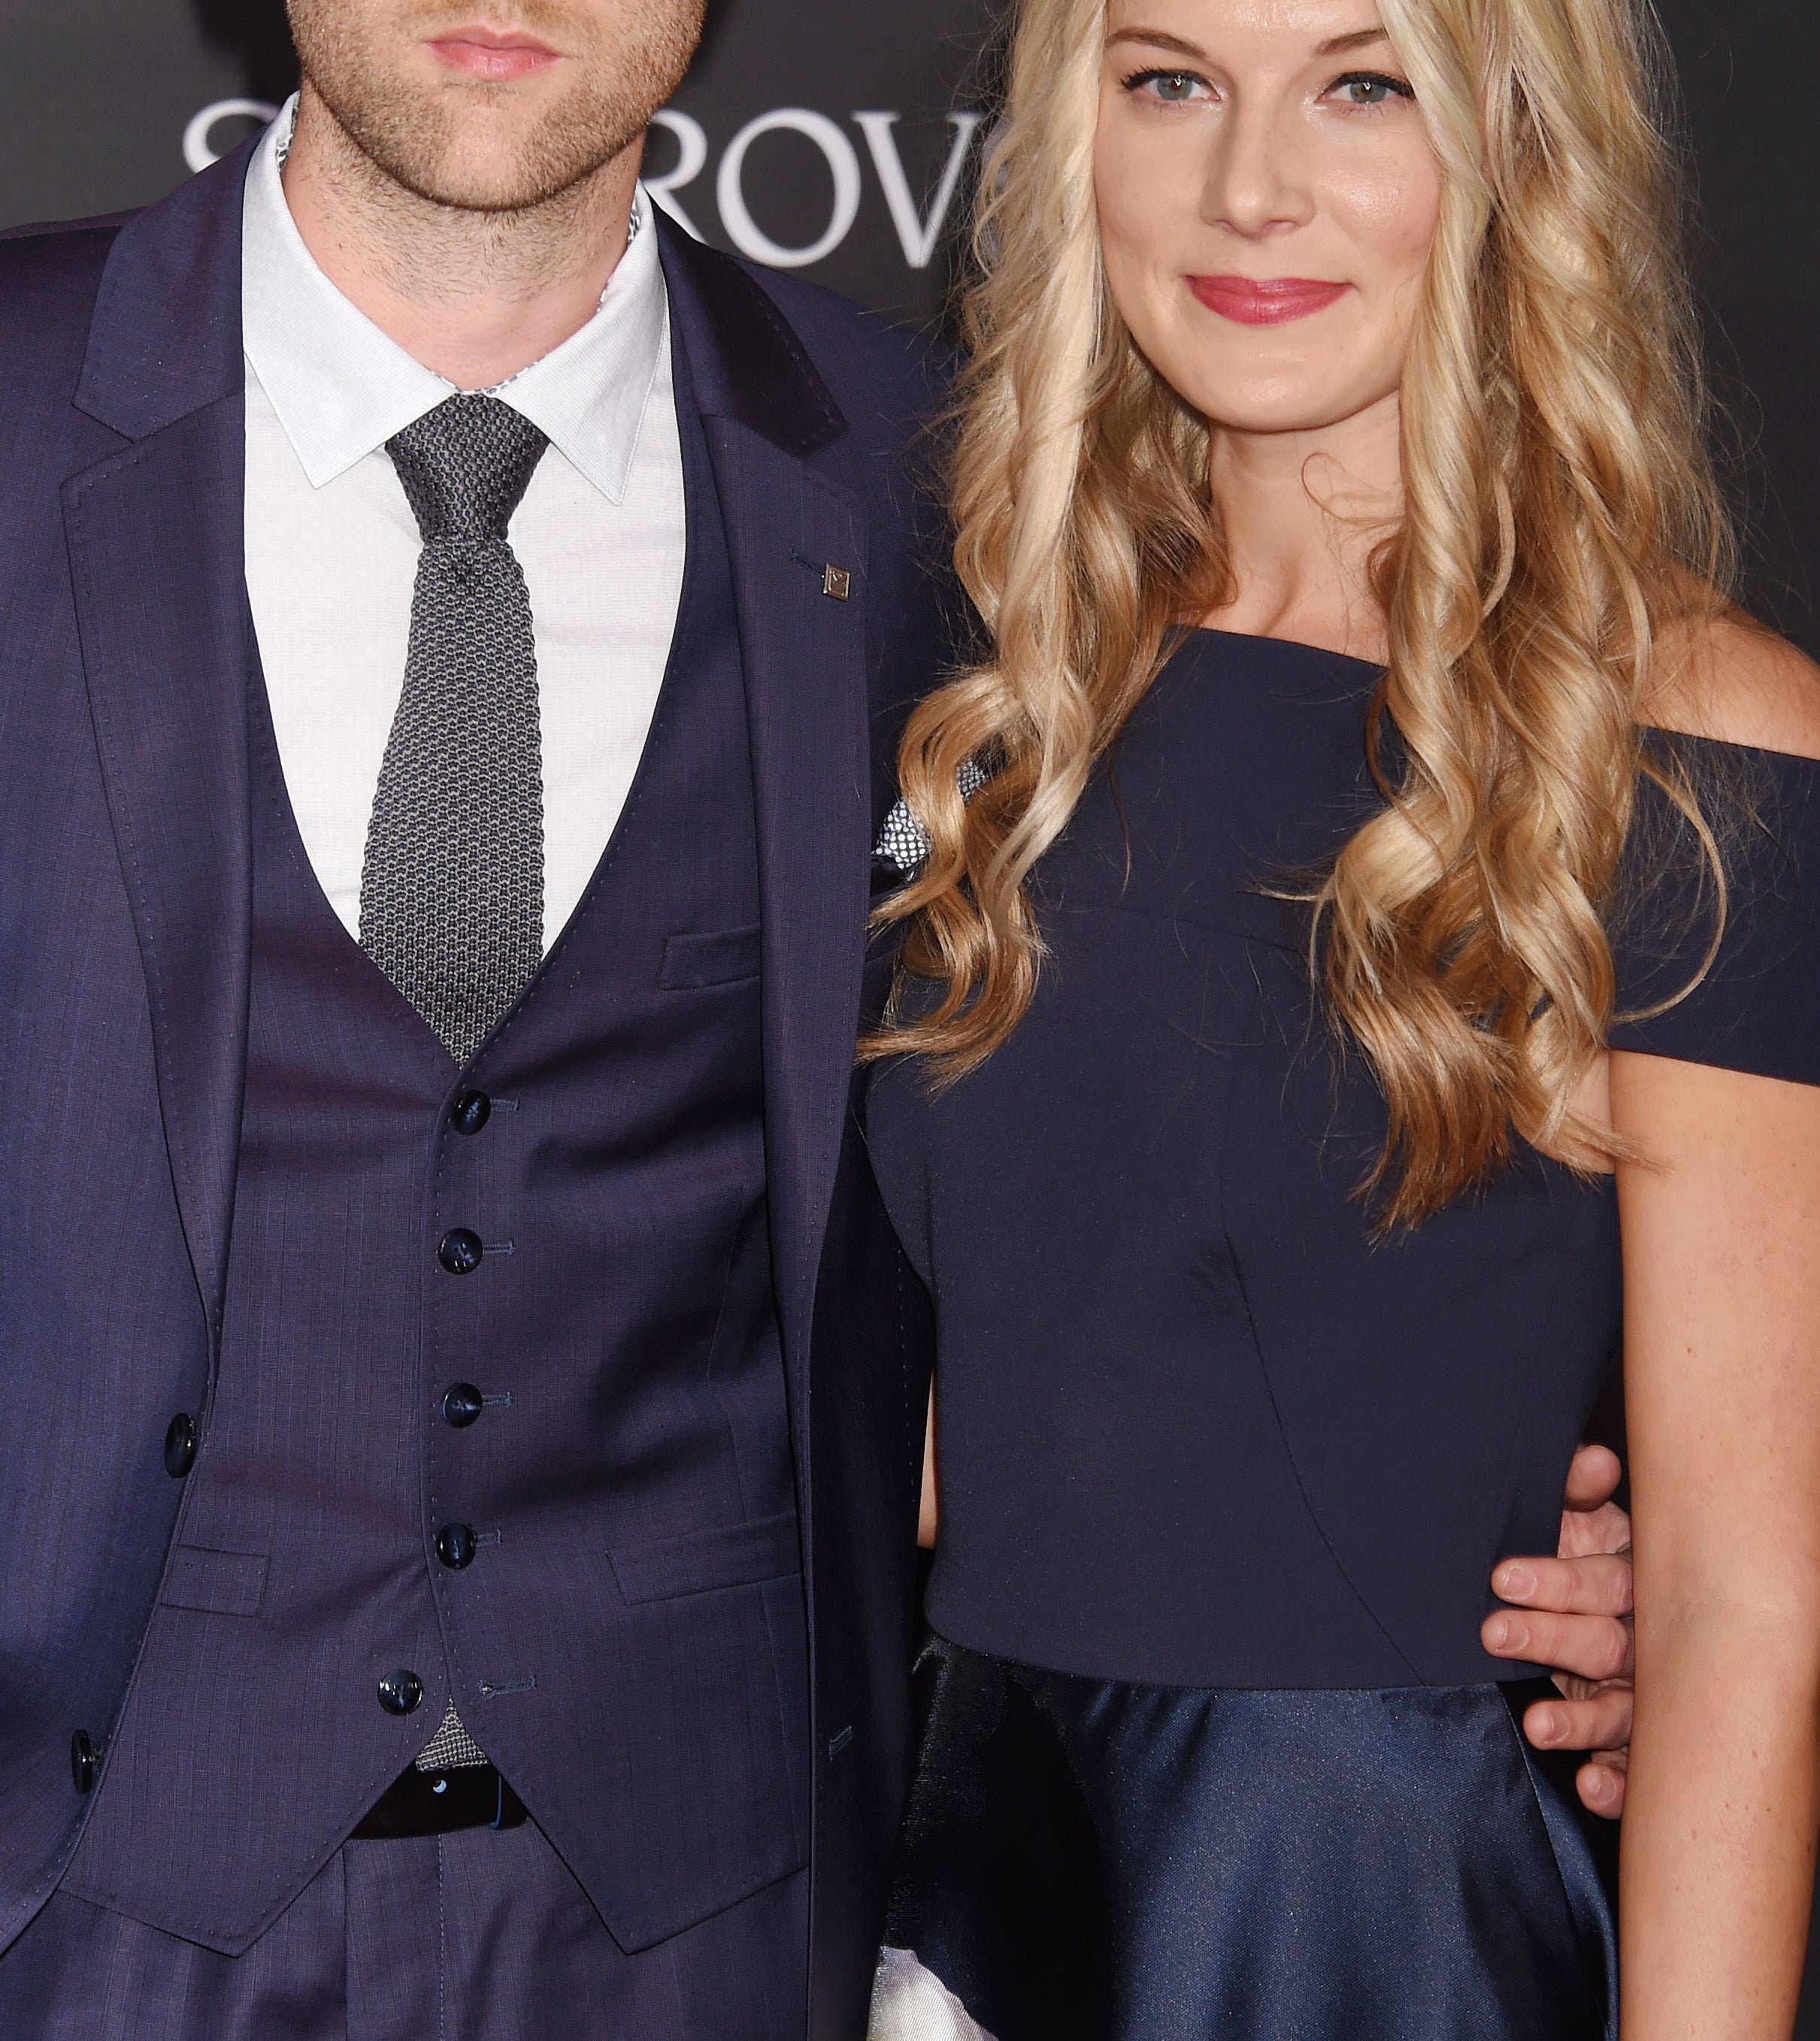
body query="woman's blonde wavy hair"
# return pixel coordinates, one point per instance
(1562, 526)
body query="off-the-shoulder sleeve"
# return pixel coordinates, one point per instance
(1757, 1007)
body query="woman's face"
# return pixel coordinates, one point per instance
(1267, 199)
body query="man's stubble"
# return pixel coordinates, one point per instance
(631, 62)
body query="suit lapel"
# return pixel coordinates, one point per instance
(766, 414)
(156, 544)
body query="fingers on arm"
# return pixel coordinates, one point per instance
(1601, 1724)
(1601, 1785)
(1594, 1477)
(1597, 1585)
(1588, 1647)
(1605, 1529)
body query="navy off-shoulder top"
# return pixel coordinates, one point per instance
(1197, 1426)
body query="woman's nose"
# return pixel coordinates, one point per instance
(1257, 178)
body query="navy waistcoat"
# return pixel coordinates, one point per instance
(635, 1588)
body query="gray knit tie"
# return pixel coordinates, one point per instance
(452, 893)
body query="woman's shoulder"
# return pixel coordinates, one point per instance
(1730, 680)
(1717, 922)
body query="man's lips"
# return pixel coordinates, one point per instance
(486, 54)
(1269, 301)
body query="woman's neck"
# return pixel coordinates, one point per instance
(1303, 512)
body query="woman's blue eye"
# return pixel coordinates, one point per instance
(1370, 88)
(1174, 88)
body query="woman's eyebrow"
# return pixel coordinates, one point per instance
(1155, 39)
(1360, 39)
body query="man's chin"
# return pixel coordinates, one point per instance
(503, 172)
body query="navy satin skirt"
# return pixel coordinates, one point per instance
(1088, 1861)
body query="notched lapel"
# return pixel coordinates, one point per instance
(155, 546)
(165, 339)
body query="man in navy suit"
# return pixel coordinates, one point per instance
(463, 1403)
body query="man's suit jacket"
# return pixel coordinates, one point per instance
(124, 644)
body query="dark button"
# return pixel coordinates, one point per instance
(179, 1446)
(455, 1545)
(400, 1692)
(472, 1111)
(459, 1251)
(82, 1762)
(461, 1405)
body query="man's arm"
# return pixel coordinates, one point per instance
(1572, 1612)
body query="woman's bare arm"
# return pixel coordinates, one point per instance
(927, 1515)
(1722, 1308)
(1721, 1226)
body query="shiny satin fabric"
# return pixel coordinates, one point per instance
(1091, 1860)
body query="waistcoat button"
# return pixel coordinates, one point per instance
(455, 1545)
(400, 1692)
(82, 1762)
(461, 1405)
(459, 1251)
(472, 1111)
(179, 1446)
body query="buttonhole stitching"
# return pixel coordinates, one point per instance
(490, 1690)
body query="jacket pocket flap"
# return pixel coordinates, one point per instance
(690, 962)
(217, 1583)
(735, 1555)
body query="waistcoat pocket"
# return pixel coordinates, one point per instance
(216, 1583)
(734, 1555)
(692, 963)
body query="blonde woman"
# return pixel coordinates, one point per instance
(1363, 958)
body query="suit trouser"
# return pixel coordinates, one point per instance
(480, 1936)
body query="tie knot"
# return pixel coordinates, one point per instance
(465, 466)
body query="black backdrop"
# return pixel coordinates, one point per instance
(828, 136)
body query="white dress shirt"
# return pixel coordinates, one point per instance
(331, 547)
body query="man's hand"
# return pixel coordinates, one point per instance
(1572, 1612)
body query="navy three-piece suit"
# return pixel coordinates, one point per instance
(230, 1154)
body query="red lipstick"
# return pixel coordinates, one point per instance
(1267, 301)
(494, 56)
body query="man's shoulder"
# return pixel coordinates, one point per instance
(47, 252)
(50, 276)
(886, 382)
(885, 368)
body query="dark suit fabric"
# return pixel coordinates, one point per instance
(472, 1936)
(226, 1168)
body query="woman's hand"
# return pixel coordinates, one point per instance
(1576, 1619)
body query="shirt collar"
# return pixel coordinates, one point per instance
(341, 388)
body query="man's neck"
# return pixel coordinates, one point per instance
(476, 296)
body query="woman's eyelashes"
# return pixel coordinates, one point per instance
(1370, 88)
(1167, 88)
